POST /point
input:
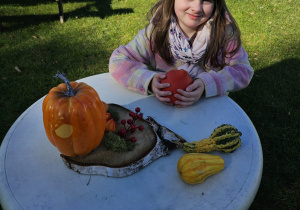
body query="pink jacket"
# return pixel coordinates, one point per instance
(134, 66)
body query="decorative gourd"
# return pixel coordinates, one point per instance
(225, 138)
(111, 125)
(105, 105)
(178, 79)
(194, 168)
(74, 117)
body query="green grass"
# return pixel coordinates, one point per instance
(38, 44)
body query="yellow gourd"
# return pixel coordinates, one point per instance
(194, 168)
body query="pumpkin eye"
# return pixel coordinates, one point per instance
(64, 131)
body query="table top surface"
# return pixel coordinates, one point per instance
(33, 175)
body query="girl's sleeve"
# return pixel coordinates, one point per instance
(235, 76)
(129, 64)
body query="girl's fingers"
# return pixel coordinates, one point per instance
(157, 85)
(163, 94)
(198, 83)
(162, 76)
(163, 85)
(163, 99)
(184, 99)
(185, 96)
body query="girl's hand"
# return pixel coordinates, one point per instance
(156, 87)
(192, 94)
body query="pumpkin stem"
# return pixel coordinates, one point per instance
(70, 92)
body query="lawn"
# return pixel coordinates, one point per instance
(34, 45)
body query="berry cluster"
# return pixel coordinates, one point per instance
(130, 126)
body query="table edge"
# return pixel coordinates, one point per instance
(257, 179)
(4, 185)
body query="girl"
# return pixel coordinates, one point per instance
(199, 36)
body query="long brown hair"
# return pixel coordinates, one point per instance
(221, 32)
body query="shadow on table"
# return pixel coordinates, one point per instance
(23, 21)
(272, 101)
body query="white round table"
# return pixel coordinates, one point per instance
(33, 175)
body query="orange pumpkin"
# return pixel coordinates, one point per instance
(178, 79)
(74, 117)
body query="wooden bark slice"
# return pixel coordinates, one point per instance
(153, 142)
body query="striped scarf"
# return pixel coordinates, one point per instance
(180, 46)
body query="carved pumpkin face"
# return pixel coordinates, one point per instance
(74, 124)
(178, 79)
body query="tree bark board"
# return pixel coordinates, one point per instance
(153, 142)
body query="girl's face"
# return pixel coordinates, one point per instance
(192, 13)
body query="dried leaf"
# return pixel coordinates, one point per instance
(17, 69)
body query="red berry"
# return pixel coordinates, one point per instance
(137, 109)
(129, 121)
(123, 122)
(134, 115)
(133, 126)
(141, 127)
(133, 139)
(140, 116)
(130, 113)
(122, 132)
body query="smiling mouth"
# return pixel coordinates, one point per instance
(194, 17)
